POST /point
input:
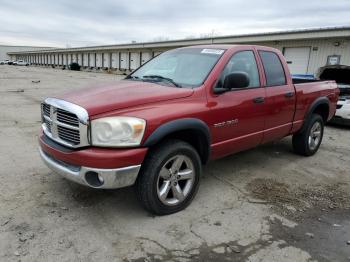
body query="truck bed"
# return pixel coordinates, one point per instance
(308, 91)
(300, 80)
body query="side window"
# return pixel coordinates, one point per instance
(243, 61)
(273, 69)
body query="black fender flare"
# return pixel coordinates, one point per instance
(193, 124)
(318, 101)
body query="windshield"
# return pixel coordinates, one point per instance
(188, 67)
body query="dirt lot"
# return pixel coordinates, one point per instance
(266, 204)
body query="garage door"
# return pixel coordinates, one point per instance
(79, 59)
(145, 57)
(124, 60)
(115, 60)
(92, 61)
(99, 60)
(297, 59)
(69, 59)
(106, 57)
(134, 60)
(86, 59)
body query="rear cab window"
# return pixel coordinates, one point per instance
(273, 68)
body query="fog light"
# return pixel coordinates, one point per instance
(100, 178)
(94, 179)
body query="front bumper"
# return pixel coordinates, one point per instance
(100, 158)
(93, 177)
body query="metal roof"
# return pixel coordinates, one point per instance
(298, 34)
(29, 46)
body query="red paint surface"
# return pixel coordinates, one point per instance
(98, 157)
(278, 117)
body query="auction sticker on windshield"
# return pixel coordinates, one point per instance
(212, 51)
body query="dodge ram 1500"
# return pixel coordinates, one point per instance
(157, 128)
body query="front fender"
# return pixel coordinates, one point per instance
(190, 124)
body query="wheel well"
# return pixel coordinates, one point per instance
(323, 111)
(195, 138)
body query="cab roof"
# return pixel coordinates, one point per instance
(228, 46)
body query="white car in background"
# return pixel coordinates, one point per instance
(4, 62)
(342, 115)
(21, 63)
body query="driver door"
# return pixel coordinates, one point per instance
(238, 115)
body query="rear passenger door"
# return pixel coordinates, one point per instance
(280, 97)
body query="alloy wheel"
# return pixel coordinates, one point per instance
(175, 180)
(315, 135)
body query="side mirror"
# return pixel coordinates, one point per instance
(236, 80)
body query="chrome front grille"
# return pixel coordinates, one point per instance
(48, 124)
(65, 123)
(67, 118)
(70, 135)
(46, 109)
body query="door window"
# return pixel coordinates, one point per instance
(243, 61)
(273, 69)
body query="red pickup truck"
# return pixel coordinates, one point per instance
(158, 126)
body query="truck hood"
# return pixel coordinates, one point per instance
(122, 94)
(338, 73)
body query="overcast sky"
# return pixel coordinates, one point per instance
(73, 23)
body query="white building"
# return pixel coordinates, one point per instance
(5, 49)
(305, 50)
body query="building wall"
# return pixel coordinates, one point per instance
(127, 57)
(320, 50)
(4, 49)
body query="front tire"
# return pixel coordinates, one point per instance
(169, 177)
(308, 141)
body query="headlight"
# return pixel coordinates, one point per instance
(117, 131)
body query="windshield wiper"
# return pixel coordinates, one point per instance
(132, 77)
(162, 78)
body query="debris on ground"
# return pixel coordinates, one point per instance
(6, 221)
(16, 91)
(302, 198)
(310, 235)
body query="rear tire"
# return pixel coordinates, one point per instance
(169, 177)
(308, 141)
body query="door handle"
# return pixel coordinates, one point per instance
(259, 100)
(289, 94)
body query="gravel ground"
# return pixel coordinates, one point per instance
(265, 204)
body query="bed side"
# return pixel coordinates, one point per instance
(315, 97)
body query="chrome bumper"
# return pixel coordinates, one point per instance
(93, 177)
